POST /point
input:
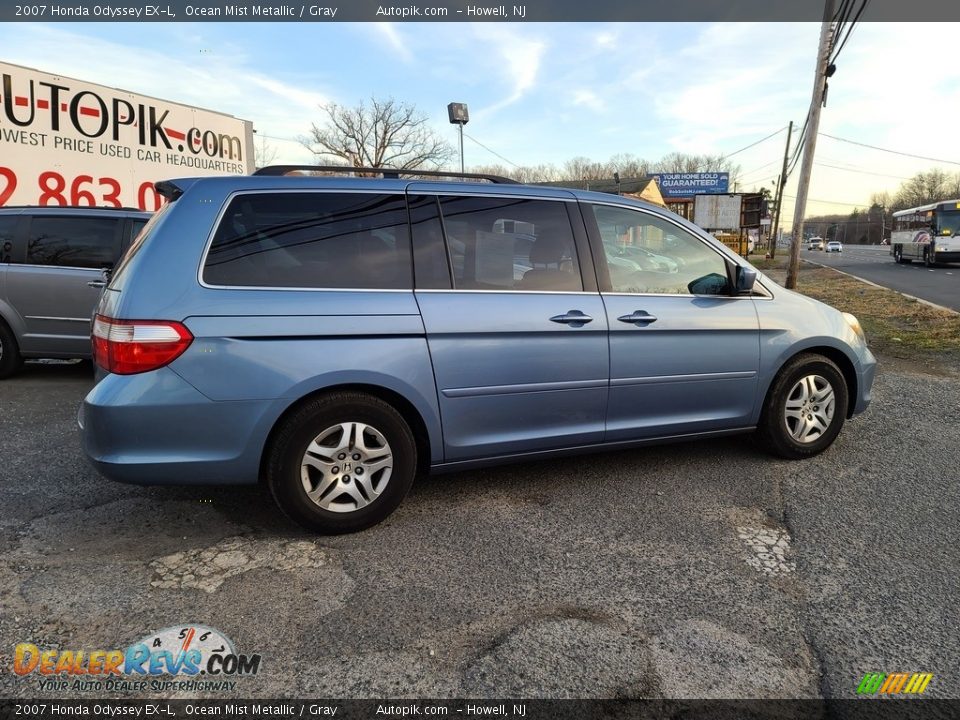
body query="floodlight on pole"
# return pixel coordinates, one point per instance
(458, 114)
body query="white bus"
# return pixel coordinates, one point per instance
(930, 233)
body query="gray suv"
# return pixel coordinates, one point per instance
(52, 262)
(335, 336)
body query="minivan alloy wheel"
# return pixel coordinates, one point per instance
(805, 407)
(341, 461)
(809, 409)
(346, 467)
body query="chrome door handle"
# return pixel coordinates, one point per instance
(639, 316)
(574, 318)
(97, 284)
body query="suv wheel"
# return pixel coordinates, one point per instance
(341, 463)
(805, 408)
(10, 360)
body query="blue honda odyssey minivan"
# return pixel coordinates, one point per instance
(335, 336)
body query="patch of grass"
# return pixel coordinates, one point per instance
(895, 325)
(766, 264)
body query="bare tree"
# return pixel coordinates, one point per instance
(383, 133)
(881, 199)
(628, 165)
(926, 187)
(263, 153)
(583, 168)
(677, 162)
(544, 172)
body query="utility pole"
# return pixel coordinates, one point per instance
(779, 197)
(810, 139)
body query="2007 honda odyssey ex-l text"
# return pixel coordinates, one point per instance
(334, 336)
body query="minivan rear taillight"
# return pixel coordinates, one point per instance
(127, 347)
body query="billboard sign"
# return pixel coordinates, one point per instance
(686, 185)
(69, 142)
(717, 212)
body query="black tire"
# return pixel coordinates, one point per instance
(10, 359)
(288, 446)
(773, 430)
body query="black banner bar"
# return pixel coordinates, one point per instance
(463, 11)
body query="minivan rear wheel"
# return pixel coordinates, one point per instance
(341, 463)
(10, 360)
(805, 408)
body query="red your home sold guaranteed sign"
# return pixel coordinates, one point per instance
(69, 142)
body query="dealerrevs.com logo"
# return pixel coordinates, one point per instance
(198, 658)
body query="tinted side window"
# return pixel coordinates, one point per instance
(88, 242)
(312, 240)
(510, 244)
(648, 255)
(7, 227)
(430, 261)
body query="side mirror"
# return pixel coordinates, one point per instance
(745, 278)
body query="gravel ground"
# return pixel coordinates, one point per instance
(699, 570)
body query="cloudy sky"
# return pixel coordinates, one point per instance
(547, 92)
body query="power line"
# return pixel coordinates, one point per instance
(856, 18)
(862, 172)
(828, 202)
(887, 150)
(274, 137)
(757, 169)
(801, 141)
(747, 147)
(843, 13)
(494, 152)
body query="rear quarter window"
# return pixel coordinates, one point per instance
(82, 242)
(312, 240)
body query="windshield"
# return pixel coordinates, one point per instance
(949, 223)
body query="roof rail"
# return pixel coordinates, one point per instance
(394, 173)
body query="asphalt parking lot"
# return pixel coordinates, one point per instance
(700, 570)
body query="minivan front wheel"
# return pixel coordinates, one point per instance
(341, 463)
(10, 360)
(805, 407)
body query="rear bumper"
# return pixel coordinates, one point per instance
(156, 429)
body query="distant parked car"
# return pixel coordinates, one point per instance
(815, 244)
(52, 262)
(834, 246)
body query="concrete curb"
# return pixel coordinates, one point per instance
(884, 287)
